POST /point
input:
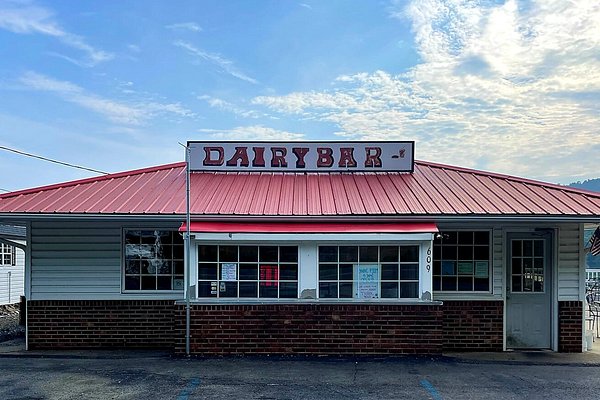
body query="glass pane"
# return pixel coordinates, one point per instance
(465, 253)
(516, 266)
(132, 266)
(448, 283)
(481, 252)
(164, 267)
(389, 272)
(538, 248)
(538, 263)
(207, 289)
(465, 283)
(437, 267)
(449, 253)
(228, 272)
(207, 271)
(437, 252)
(527, 266)
(132, 282)
(327, 254)
(449, 238)
(268, 290)
(228, 253)
(389, 290)
(389, 253)
(228, 289)
(288, 272)
(527, 284)
(482, 237)
(288, 290)
(516, 284)
(268, 273)
(207, 253)
(132, 237)
(409, 290)
(482, 284)
(409, 253)
(164, 283)
(148, 237)
(248, 289)
(527, 248)
(349, 254)
(346, 272)
(328, 272)
(516, 248)
(409, 272)
(249, 253)
(367, 254)
(437, 283)
(327, 290)
(248, 271)
(267, 253)
(288, 254)
(465, 237)
(148, 283)
(147, 268)
(178, 253)
(346, 291)
(178, 267)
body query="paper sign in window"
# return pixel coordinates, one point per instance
(269, 273)
(481, 269)
(367, 282)
(228, 272)
(465, 268)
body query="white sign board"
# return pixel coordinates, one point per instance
(229, 272)
(302, 156)
(367, 286)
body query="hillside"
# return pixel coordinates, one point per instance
(589, 184)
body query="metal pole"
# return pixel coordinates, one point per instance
(187, 251)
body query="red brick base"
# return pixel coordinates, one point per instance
(100, 324)
(311, 329)
(473, 325)
(570, 326)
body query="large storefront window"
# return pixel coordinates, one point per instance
(7, 255)
(461, 261)
(153, 260)
(369, 272)
(247, 271)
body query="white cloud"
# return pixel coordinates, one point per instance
(230, 107)
(24, 17)
(185, 26)
(253, 132)
(498, 87)
(116, 111)
(223, 64)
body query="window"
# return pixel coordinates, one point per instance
(527, 265)
(369, 272)
(226, 271)
(7, 255)
(461, 261)
(153, 260)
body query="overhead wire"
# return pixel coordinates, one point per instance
(23, 153)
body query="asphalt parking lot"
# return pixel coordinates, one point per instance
(143, 375)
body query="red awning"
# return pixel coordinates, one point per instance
(311, 227)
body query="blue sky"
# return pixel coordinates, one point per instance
(506, 86)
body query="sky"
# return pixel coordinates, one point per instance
(505, 86)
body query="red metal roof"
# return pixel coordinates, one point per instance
(308, 227)
(433, 189)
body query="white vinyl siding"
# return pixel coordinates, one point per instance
(569, 268)
(80, 261)
(12, 279)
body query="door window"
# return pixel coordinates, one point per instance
(527, 266)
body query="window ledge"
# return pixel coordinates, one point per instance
(312, 301)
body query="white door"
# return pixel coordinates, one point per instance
(529, 291)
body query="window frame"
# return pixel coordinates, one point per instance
(196, 262)
(124, 263)
(490, 290)
(6, 249)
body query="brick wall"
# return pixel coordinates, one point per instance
(473, 325)
(100, 323)
(570, 326)
(311, 329)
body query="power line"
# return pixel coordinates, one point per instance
(52, 161)
(5, 190)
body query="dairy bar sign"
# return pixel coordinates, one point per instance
(301, 156)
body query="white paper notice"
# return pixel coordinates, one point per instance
(368, 282)
(228, 272)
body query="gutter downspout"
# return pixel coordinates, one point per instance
(187, 251)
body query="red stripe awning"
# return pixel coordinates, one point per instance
(311, 227)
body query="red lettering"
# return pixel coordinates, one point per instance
(347, 157)
(300, 152)
(373, 157)
(208, 160)
(241, 154)
(325, 157)
(259, 157)
(278, 159)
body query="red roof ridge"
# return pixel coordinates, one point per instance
(508, 177)
(93, 179)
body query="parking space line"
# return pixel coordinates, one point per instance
(432, 391)
(185, 393)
